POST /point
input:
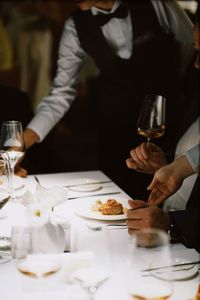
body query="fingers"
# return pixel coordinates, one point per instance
(153, 184)
(131, 164)
(134, 204)
(139, 156)
(21, 172)
(156, 198)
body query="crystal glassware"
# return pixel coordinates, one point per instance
(151, 121)
(12, 144)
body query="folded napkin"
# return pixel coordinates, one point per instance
(46, 235)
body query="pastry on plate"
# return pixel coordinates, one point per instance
(111, 207)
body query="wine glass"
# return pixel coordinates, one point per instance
(150, 265)
(12, 142)
(92, 275)
(4, 197)
(151, 121)
(4, 240)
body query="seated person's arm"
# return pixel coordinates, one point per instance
(168, 179)
(182, 225)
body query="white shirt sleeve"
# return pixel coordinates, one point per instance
(63, 91)
(193, 156)
(174, 19)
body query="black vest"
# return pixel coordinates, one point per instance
(123, 83)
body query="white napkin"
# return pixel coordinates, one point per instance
(47, 236)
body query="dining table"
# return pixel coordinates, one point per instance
(74, 215)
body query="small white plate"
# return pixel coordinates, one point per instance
(18, 182)
(180, 272)
(84, 185)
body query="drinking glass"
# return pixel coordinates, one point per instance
(149, 265)
(93, 274)
(12, 142)
(151, 121)
(4, 197)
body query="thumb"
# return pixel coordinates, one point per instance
(152, 185)
(134, 204)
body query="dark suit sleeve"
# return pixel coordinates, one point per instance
(186, 222)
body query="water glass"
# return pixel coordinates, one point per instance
(149, 259)
(21, 242)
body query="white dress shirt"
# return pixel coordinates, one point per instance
(71, 57)
(188, 145)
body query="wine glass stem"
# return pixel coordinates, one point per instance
(10, 179)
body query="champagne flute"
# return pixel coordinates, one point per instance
(12, 142)
(150, 265)
(151, 121)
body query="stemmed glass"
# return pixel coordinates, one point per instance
(150, 265)
(93, 274)
(151, 121)
(12, 142)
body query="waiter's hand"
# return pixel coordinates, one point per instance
(30, 138)
(146, 158)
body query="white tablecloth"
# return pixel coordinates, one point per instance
(14, 286)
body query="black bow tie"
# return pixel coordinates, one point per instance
(121, 12)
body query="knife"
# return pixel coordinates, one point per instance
(175, 265)
(88, 183)
(94, 195)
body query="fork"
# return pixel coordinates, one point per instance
(97, 227)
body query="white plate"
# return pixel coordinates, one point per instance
(18, 182)
(85, 211)
(3, 195)
(84, 185)
(180, 272)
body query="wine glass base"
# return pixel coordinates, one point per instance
(4, 257)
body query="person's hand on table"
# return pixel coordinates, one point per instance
(168, 179)
(146, 158)
(141, 216)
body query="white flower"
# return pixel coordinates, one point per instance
(37, 214)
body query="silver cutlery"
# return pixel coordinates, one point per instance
(37, 180)
(174, 265)
(93, 195)
(88, 183)
(97, 227)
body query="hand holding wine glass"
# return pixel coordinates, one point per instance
(12, 143)
(151, 121)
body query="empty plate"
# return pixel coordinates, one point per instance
(84, 185)
(180, 270)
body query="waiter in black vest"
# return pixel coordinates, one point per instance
(140, 47)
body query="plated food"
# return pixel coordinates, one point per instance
(110, 207)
